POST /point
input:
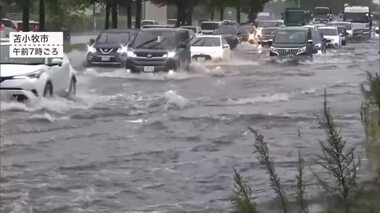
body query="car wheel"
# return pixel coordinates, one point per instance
(48, 91)
(73, 88)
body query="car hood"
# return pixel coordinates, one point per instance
(204, 49)
(288, 45)
(8, 70)
(107, 45)
(331, 37)
(229, 36)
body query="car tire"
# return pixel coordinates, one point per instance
(48, 90)
(73, 88)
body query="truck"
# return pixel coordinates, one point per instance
(322, 14)
(296, 17)
(360, 17)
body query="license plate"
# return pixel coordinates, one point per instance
(106, 58)
(148, 69)
(201, 59)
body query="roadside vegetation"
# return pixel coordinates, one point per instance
(340, 181)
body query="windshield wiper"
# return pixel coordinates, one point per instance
(145, 43)
(158, 43)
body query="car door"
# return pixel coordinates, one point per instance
(59, 74)
(184, 49)
(226, 51)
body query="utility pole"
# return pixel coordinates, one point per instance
(299, 3)
(144, 9)
(94, 17)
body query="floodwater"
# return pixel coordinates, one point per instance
(168, 142)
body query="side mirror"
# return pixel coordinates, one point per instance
(91, 41)
(56, 62)
(225, 46)
(310, 41)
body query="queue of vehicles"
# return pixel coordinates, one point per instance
(157, 48)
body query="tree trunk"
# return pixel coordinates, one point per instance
(25, 16)
(238, 11)
(189, 13)
(212, 14)
(42, 16)
(222, 13)
(129, 14)
(107, 19)
(179, 15)
(138, 14)
(114, 14)
(183, 14)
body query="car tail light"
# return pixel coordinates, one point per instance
(35, 28)
(2, 27)
(18, 26)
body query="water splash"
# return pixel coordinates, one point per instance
(175, 101)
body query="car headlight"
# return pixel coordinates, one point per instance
(122, 49)
(170, 55)
(273, 49)
(36, 74)
(91, 49)
(301, 50)
(131, 54)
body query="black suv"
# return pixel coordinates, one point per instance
(110, 47)
(230, 33)
(155, 50)
(293, 42)
(267, 35)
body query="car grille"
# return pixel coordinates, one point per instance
(150, 54)
(149, 61)
(106, 50)
(286, 52)
(358, 31)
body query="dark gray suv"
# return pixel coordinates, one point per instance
(293, 42)
(155, 50)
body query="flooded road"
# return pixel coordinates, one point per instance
(168, 142)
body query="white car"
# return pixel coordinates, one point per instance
(27, 78)
(210, 47)
(331, 34)
(347, 25)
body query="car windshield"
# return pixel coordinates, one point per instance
(267, 24)
(269, 31)
(328, 31)
(321, 11)
(209, 26)
(356, 17)
(5, 59)
(113, 38)
(155, 40)
(206, 42)
(290, 37)
(226, 30)
(295, 18)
